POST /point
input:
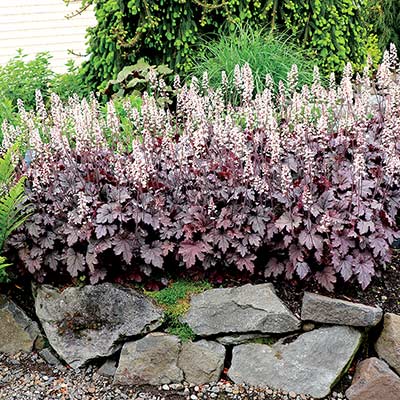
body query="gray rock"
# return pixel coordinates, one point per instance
(151, 360)
(85, 323)
(388, 343)
(311, 364)
(50, 358)
(240, 339)
(244, 309)
(17, 331)
(326, 310)
(202, 361)
(108, 368)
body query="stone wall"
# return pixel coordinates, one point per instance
(246, 331)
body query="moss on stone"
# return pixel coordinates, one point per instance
(175, 300)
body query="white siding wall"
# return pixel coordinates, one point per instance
(41, 25)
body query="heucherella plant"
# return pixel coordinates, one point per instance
(299, 181)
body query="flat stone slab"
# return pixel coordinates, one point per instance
(326, 310)
(17, 331)
(388, 343)
(152, 360)
(243, 309)
(202, 362)
(374, 380)
(311, 364)
(160, 359)
(85, 323)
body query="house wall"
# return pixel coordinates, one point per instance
(41, 25)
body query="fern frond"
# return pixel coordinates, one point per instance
(6, 169)
(3, 263)
(13, 210)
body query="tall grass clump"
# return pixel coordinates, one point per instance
(266, 53)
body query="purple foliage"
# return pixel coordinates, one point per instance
(305, 184)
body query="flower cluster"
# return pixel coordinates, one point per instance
(296, 182)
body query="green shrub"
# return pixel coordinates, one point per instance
(264, 52)
(167, 32)
(142, 77)
(20, 78)
(69, 83)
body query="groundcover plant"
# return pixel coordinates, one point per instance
(302, 183)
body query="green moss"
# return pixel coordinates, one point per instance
(265, 340)
(175, 300)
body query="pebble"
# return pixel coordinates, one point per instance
(24, 377)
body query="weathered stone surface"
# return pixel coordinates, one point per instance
(374, 380)
(244, 309)
(85, 323)
(326, 310)
(108, 368)
(17, 331)
(388, 343)
(202, 361)
(311, 364)
(151, 360)
(160, 359)
(48, 356)
(240, 339)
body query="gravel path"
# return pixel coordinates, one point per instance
(28, 377)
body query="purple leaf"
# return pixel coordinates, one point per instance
(246, 263)
(302, 269)
(274, 268)
(34, 230)
(104, 214)
(343, 243)
(75, 262)
(257, 223)
(52, 261)
(222, 242)
(97, 275)
(288, 221)
(123, 246)
(364, 226)
(296, 254)
(190, 251)
(379, 245)
(152, 255)
(326, 278)
(167, 247)
(311, 240)
(101, 231)
(364, 268)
